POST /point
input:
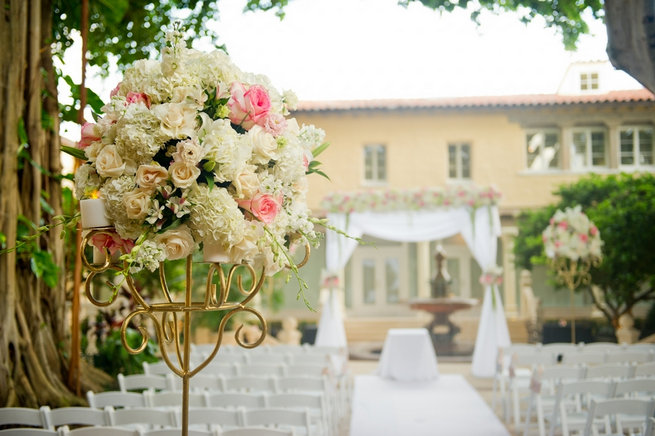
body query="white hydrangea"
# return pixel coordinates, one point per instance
(86, 179)
(224, 146)
(138, 135)
(113, 191)
(147, 255)
(215, 215)
(289, 166)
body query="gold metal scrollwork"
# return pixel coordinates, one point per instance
(171, 319)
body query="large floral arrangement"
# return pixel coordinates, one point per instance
(193, 152)
(570, 234)
(388, 200)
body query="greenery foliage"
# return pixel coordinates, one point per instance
(567, 16)
(113, 358)
(623, 208)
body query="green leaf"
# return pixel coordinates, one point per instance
(209, 165)
(75, 152)
(210, 183)
(44, 267)
(46, 207)
(320, 149)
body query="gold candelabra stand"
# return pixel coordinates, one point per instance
(172, 319)
(573, 273)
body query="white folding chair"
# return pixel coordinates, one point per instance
(297, 420)
(571, 403)
(643, 388)
(200, 382)
(213, 418)
(542, 391)
(142, 382)
(142, 418)
(262, 370)
(269, 358)
(609, 371)
(22, 416)
(628, 414)
(315, 403)
(630, 356)
(100, 431)
(601, 347)
(236, 399)
(249, 384)
(116, 399)
(309, 370)
(518, 376)
(25, 431)
(156, 368)
(175, 432)
(645, 369)
(257, 431)
(584, 357)
(74, 416)
(220, 369)
(173, 399)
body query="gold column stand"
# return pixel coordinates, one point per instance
(573, 273)
(164, 314)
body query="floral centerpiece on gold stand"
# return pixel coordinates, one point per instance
(192, 153)
(573, 245)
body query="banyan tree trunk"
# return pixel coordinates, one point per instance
(33, 326)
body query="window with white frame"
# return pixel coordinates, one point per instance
(588, 81)
(459, 161)
(542, 149)
(589, 148)
(375, 163)
(636, 146)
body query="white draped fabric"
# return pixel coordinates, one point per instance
(331, 332)
(480, 230)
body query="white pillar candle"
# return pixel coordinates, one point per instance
(93, 213)
(213, 252)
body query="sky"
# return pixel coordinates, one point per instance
(371, 49)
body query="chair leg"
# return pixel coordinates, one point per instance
(516, 407)
(540, 417)
(528, 415)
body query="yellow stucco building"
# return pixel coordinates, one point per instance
(523, 145)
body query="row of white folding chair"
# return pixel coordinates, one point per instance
(543, 396)
(152, 418)
(316, 367)
(510, 372)
(267, 349)
(117, 431)
(523, 383)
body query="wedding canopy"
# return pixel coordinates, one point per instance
(479, 225)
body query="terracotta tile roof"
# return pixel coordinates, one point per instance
(500, 101)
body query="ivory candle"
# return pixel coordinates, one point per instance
(93, 213)
(99, 256)
(213, 252)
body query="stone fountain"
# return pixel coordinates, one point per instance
(441, 305)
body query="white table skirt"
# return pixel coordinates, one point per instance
(408, 355)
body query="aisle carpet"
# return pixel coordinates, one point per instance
(448, 406)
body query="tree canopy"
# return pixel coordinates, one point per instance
(623, 208)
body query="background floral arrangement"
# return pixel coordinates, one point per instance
(492, 276)
(417, 199)
(572, 235)
(192, 151)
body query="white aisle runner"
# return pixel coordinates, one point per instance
(448, 406)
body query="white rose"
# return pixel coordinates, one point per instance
(188, 151)
(178, 242)
(264, 146)
(137, 203)
(151, 176)
(109, 163)
(187, 94)
(247, 184)
(178, 120)
(183, 174)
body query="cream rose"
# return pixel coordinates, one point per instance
(247, 184)
(178, 120)
(178, 242)
(109, 163)
(264, 146)
(137, 203)
(151, 176)
(183, 174)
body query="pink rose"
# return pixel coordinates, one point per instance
(248, 106)
(264, 207)
(593, 230)
(112, 242)
(584, 238)
(116, 89)
(89, 135)
(138, 97)
(563, 225)
(274, 124)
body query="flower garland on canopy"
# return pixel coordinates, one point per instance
(190, 152)
(570, 234)
(381, 200)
